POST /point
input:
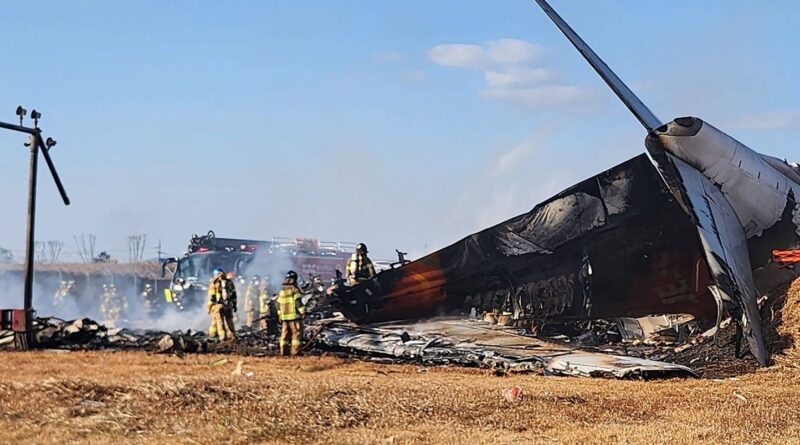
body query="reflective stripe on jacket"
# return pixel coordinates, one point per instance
(290, 304)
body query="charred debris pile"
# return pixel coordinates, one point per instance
(657, 346)
(87, 334)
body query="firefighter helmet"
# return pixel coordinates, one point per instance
(217, 272)
(361, 248)
(291, 277)
(255, 278)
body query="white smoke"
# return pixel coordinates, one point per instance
(86, 299)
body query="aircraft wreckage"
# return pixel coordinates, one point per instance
(676, 230)
(673, 234)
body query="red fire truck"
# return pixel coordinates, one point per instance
(244, 258)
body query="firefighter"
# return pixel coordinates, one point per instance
(221, 306)
(149, 302)
(113, 305)
(290, 314)
(105, 303)
(120, 301)
(231, 306)
(60, 294)
(359, 266)
(264, 304)
(251, 297)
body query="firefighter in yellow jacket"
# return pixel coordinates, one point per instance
(221, 306)
(359, 266)
(264, 305)
(113, 305)
(251, 301)
(290, 314)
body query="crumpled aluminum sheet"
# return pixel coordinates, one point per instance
(474, 343)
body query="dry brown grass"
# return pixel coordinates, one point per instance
(49, 398)
(789, 328)
(133, 397)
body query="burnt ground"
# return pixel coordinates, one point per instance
(716, 357)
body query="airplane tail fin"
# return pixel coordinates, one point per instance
(637, 107)
(726, 250)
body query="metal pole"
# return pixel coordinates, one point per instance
(27, 341)
(24, 334)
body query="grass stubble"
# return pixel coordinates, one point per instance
(135, 397)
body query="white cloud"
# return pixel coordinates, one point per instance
(518, 76)
(509, 160)
(510, 70)
(458, 55)
(774, 120)
(538, 97)
(497, 54)
(513, 51)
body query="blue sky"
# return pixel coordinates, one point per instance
(401, 124)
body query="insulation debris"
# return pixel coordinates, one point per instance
(479, 344)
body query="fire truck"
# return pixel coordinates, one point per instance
(310, 258)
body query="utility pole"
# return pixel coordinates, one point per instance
(22, 321)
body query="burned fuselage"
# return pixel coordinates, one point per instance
(615, 244)
(681, 234)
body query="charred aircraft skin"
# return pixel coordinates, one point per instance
(680, 234)
(631, 241)
(723, 186)
(616, 243)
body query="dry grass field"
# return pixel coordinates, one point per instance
(133, 397)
